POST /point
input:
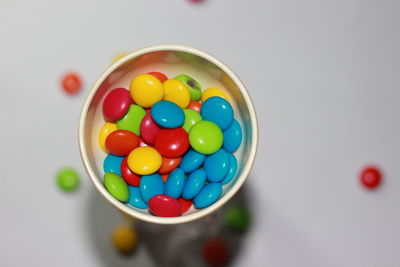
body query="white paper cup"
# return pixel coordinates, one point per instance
(171, 60)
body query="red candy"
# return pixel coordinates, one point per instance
(71, 83)
(215, 252)
(172, 143)
(169, 164)
(185, 204)
(142, 143)
(117, 103)
(165, 206)
(129, 176)
(148, 129)
(165, 177)
(122, 142)
(161, 76)
(196, 106)
(371, 177)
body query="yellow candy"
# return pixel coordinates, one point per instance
(118, 56)
(146, 90)
(177, 92)
(105, 131)
(144, 160)
(124, 239)
(210, 92)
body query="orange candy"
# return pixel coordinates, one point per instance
(169, 164)
(71, 83)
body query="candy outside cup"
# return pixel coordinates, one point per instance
(171, 60)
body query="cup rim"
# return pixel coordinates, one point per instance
(200, 213)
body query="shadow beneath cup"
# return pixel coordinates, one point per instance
(165, 245)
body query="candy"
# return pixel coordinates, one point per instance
(167, 114)
(194, 183)
(165, 177)
(107, 128)
(148, 129)
(215, 252)
(175, 183)
(208, 195)
(232, 137)
(124, 239)
(135, 199)
(370, 177)
(177, 92)
(113, 163)
(67, 179)
(185, 204)
(191, 117)
(116, 186)
(71, 83)
(217, 110)
(238, 218)
(172, 143)
(169, 164)
(146, 90)
(121, 142)
(205, 137)
(193, 86)
(216, 166)
(196, 106)
(150, 186)
(165, 206)
(232, 169)
(116, 104)
(210, 92)
(129, 176)
(144, 160)
(191, 161)
(132, 119)
(160, 76)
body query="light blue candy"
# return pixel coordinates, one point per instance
(217, 165)
(150, 186)
(191, 161)
(208, 195)
(113, 163)
(194, 183)
(217, 110)
(167, 114)
(232, 169)
(232, 137)
(175, 183)
(135, 199)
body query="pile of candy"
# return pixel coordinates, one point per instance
(169, 144)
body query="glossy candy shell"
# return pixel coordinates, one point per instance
(167, 114)
(175, 183)
(165, 206)
(144, 160)
(146, 90)
(135, 199)
(116, 186)
(216, 166)
(233, 165)
(232, 137)
(191, 161)
(172, 143)
(116, 104)
(150, 186)
(169, 164)
(208, 195)
(194, 184)
(113, 163)
(217, 110)
(148, 129)
(132, 119)
(191, 118)
(177, 92)
(205, 137)
(122, 142)
(129, 176)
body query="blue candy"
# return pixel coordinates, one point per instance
(135, 199)
(113, 163)
(232, 169)
(167, 114)
(216, 166)
(175, 183)
(150, 186)
(208, 195)
(194, 183)
(191, 161)
(217, 110)
(232, 137)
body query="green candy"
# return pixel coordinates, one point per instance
(116, 186)
(192, 84)
(238, 218)
(191, 117)
(206, 137)
(132, 119)
(67, 179)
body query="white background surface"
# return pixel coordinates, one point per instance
(324, 76)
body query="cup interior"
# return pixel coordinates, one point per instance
(171, 60)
